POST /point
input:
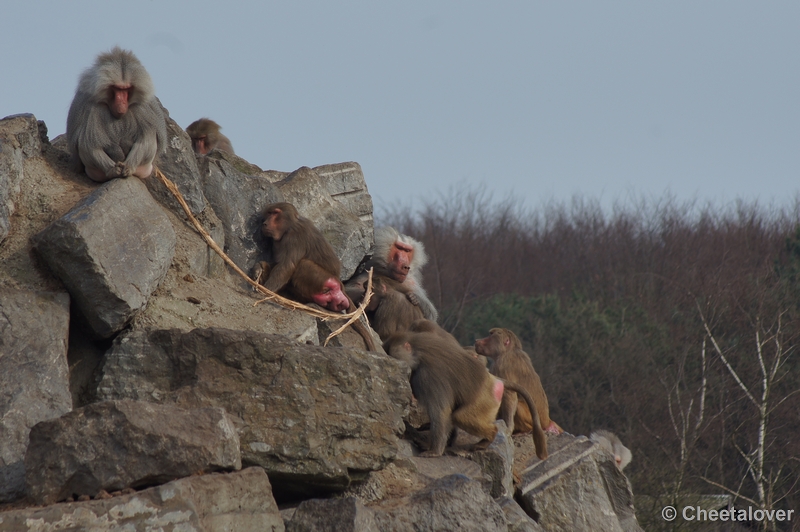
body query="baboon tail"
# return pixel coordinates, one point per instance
(539, 439)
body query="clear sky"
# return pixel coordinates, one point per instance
(542, 100)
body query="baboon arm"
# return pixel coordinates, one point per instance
(428, 310)
(280, 275)
(143, 151)
(97, 158)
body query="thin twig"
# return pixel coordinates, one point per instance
(732, 492)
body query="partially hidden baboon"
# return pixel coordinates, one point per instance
(512, 364)
(611, 443)
(390, 310)
(399, 258)
(304, 265)
(454, 389)
(206, 136)
(115, 126)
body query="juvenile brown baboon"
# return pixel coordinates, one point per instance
(304, 263)
(610, 442)
(399, 258)
(390, 309)
(115, 125)
(512, 364)
(206, 136)
(454, 389)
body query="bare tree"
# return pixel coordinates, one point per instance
(686, 417)
(771, 356)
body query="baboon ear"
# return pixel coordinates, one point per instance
(407, 345)
(507, 341)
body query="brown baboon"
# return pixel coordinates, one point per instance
(206, 136)
(399, 258)
(115, 125)
(390, 309)
(304, 263)
(433, 327)
(454, 389)
(611, 443)
(512, 364)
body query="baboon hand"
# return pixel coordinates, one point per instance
(413, 298)
(121, 170)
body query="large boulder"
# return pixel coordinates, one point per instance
(126, 444)
(240, 502)
(19, 139)
(497, 461)
(346, 184)
(452, 502)
(314, 418)
(110, 251)
(579, 487)
(34, 377)
(179, 165)
(332, 515)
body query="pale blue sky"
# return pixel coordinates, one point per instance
(539, 99)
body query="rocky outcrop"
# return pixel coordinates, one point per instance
(241, 501)
(115, 445)
(167, 373)
(315, 419)
(238, 200)
(19, 139)
(454, 502)
(111, 251)
(578, 487)
(34, 378)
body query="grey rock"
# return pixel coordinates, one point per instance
(346, 184)
(497, 461)
(408, 475)
(240, 502)
(110, 251)
(201, 259)
(179, 165)
(34, 377)
(454, 502)
(19, 139)
(238, 200)
(439, 467)
(517, 519)
(126, 444)
(577, 488)
(332, 515)
(314, 418)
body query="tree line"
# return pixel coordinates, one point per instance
(674, 324)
